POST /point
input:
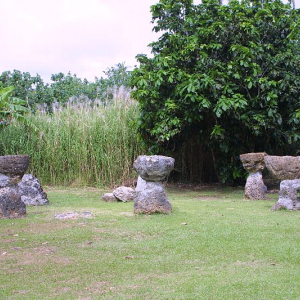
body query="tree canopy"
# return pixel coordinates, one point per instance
(226, 75)
(63, 87)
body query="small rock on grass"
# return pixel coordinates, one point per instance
(109, 197)
(124, 193)
(73, 215)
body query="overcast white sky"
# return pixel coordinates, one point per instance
(81, 36)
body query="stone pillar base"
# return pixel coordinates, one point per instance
(11, 205)
(288, 195)
(150, 197)
(255, 188)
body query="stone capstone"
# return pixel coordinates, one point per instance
(124, 193)
(150, 197)
(109, 197)
(154, 167)
(288, 197)
(255, 188)
(253, 162)
(14, 165)
(31, 191)
(283, 167)
(11, 205)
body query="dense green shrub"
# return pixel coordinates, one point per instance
(224, 77)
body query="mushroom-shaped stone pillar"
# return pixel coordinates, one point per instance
(254, 163)
(287, 169)
(12, 169)
(150, 196)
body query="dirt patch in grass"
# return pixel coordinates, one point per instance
(96, 288)
(20, 292)
(47, 227)
(38, 255)
(253, 264)
(124, 234)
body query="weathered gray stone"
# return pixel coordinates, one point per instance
(150, 197)
(11, 205)
(154, 167)
(14, 165)
(73, 215)
(283, 167)
(253, 162)
(255, 188)
(4, 181)
(124, 193)
(31, 191)
(109, 197)
(288, 197)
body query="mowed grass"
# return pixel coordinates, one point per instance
(230, 248)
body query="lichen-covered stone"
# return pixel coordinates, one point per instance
(154, 167)
(11, 205)
(288, 197)
(31, 191)
(255, 188)
(124, 193)
(253, 162)
(150, 197)
(283, 167)
(109, 197)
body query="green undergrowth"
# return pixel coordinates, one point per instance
(215, 245)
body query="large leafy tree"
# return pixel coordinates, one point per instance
(65, 86)
(116, 77)
(226, 75)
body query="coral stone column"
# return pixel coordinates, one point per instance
(254, 163)
(150, 196)
(12, 168)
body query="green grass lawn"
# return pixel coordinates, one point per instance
(230, 248)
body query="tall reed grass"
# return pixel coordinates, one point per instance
(79, 144)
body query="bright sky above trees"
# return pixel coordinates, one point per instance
(81, 36)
